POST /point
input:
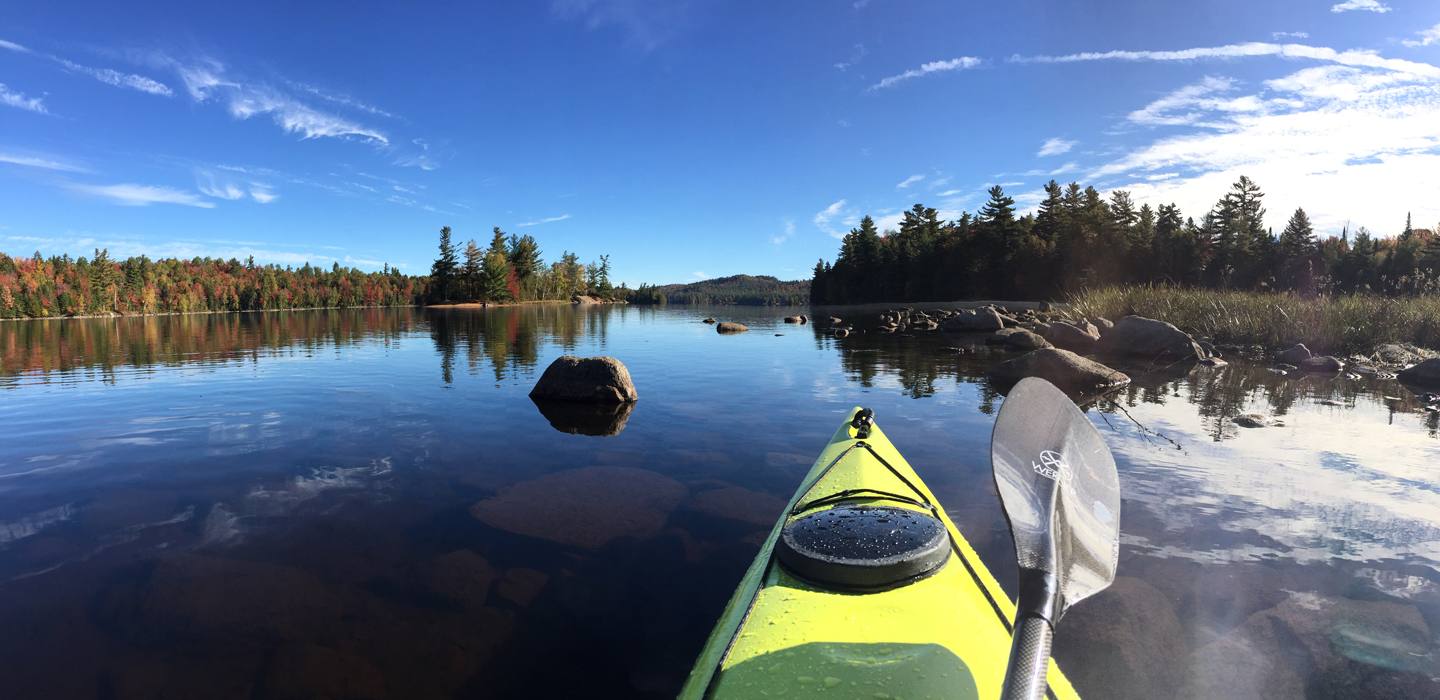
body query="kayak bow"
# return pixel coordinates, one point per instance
(864, 588)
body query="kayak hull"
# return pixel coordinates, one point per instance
(946, 635)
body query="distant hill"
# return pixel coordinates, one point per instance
(761, 290)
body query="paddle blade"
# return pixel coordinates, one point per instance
(1058, 486)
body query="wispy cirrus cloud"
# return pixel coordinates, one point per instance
(909, 181)
(823, 218)
(1055, 146)
(104, 75)
(1282, 35)
(206, 79)
(1346, 58)
(789, 231)
(1427, 37)
(857, 54)
(1371, 5)
(262, 193)
(20, 101)
(545, 221)
(37, 162)
(141, 195)
(645, 24)
(962, 63)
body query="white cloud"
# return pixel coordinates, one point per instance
(14, 47)
(205, 80)
(961, 63)
(947, 193)
(1346, 58)
(39, 163)
(262, 194)
(1324, 138)
(1427, 37)
(1198, 103)
(1371, 5)
(699, 274)
(909, 181)
(141, 195)
(118, 79)
(545, 221)
(1066, 168)
(344, 100)
(1282, 35)
(822, 219)
(18, 99)
(1056, 146)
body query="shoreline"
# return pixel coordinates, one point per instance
(118, 315)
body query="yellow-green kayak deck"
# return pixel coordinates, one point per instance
(945, 636)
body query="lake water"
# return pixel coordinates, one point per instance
(285, 505)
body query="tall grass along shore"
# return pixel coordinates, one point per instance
(1342, 323)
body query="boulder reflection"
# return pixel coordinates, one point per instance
(579, 418)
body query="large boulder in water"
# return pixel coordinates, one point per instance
(977, 320)
(1064, 369)
(731, 328)
(585, 507)
(1072, 337)
(1148, 338)
(592, 379)
(1426, 373)
(1022, 339)
(1294, 356)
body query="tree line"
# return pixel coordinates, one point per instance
(744, 290)
(511, 268)
(1080, 239)
(38, 287)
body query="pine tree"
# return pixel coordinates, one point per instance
(1296, 252)
(442, 272)
(496, 277)
(470, 274)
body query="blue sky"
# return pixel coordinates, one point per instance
(686, 138)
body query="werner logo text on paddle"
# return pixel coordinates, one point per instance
(1052, 466)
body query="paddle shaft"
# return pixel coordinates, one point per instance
(1030, 645)
(1029, 660)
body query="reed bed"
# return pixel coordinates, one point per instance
(1338, 324)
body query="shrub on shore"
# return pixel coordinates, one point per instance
(1341, 323)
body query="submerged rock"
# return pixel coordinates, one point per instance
(1064, 369)
(728, 328)
(585, 418)
(948, 350)
(1146, 337)
(1122, 644)
(708, 320)
(585, 507)
(841, 332)
(794, 319)
(594, 379)
(1348, 648)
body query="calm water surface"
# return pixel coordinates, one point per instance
(366, 504)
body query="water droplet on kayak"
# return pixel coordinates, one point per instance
(805, 680)
(831, 681)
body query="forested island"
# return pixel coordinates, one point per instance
(37, 287)
(761, 290)
(1079, 239)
